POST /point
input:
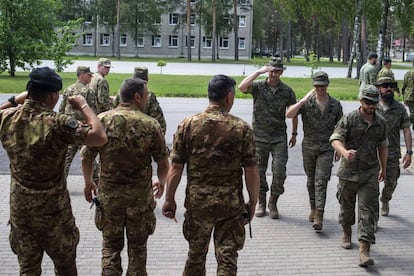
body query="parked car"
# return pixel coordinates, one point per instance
(409, 56)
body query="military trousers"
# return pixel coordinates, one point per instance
(57, 236)
(411, 109)
(228, 235)
(138, 223)
(318, 167)
(279, 152)
(367, 190)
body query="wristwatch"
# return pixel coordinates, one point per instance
(12, 100)
(409, 152)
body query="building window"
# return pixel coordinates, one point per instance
(242, 43)
(87, 39)
(243, 2)
(192, 19)
(156, 41)
(157, 21)
(174, 18)
(173, 41)
(140, 41)
(224, 43)
(123, 40)
(242, 21)
(192, 42)
(105, 40)
(206, 42)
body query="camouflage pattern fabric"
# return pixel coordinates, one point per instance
(362, 72)
(125, 188)
(77, 88)
(100, 86)
(385, 72)
(317, 152)
(35, 138)
(390, 182)
(215, 145)
(371, 76)
(408, 92)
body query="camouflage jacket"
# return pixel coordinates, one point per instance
(370, 76)
(317, 125)
(100, 87)
(77, 88)
(36, 138)
(269, 108)
(364, 69)
(134, 138)
(408, 86)
(396, 118)
(215, 145)
(355, 133)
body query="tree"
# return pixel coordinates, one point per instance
(357, 35)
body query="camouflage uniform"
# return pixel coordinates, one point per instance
(269, 127)
(316, 150)
(215, 145)
(408, 92)
(100, 87)
(367, 67)
(125, 188)
(396, 119)
(360, 176)
(41, 218)
(385, 72)
(370, 76)
(77, 88)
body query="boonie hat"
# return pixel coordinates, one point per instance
(45, 79)
(383, 80)
(104, 62)
(372, 55)
(320, 78)
(141, 72)
(83, 69)
(277, 63)
(387, 59)
(369, 92)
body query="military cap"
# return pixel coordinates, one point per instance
(83, 69)
(46, 79)
(141, 72)
(369, 92)
(104, 62)
(320, 78)
(383, 80)
(372, 55)
(387, 59)
(277, 63)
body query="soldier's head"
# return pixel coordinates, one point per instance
(221, 90)
(84, 74)
(134, 91)
(277, 68)
(369, 98)
(386, 87)
(387, 62)
(141, 72)
(320, 81)
(104, 65)
(372, 58)
(44, 85)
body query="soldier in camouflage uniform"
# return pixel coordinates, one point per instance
(153, 107)
(216, 146)
(387, 72)
(320, 112)
(126, 190)
(271, 97)
(408, 92)
(397, 119)
(369, 65)
(100, 86)
(80, 87)
(35, 138)
(361, 139)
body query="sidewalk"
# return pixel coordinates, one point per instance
(287, 246)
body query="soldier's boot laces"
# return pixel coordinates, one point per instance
(317, 224)
(346, 237)
(364, 257)
(312, 212)
(261, 207)
(273, 212)
(385, 209)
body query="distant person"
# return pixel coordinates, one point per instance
(369, 65)
(320, 112)
(387, 72)
(126, 189)
(408, 92)
(35, 139)
(360, 137)
(218, 149)
(271, 98)
(100, 86)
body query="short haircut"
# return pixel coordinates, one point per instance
(219, 86)
(129, 87)
(36, 92)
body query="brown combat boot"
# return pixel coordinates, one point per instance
(346, 237)
(312, 212)
(385, 209)
(317, 225)
(273, 212)
(261, 207)
(364, 258)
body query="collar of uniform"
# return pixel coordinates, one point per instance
(374, 121)
(31, 104)
(128, 106)
(215, 108)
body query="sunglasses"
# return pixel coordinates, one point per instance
(387, 85)
(369, 102)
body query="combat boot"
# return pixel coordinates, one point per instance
(385, 209)
(273, 212)
(346, 237)
(364, 258)
(312, 212)
(317, 225)
(261, 207)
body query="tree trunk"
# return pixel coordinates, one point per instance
(331, 41)
(381, 36)
(236, 31)
(189, 30)
(289, 42)
(117, 41)
(345, 41)
(213, 34)
(355, 44)
(199, 30)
